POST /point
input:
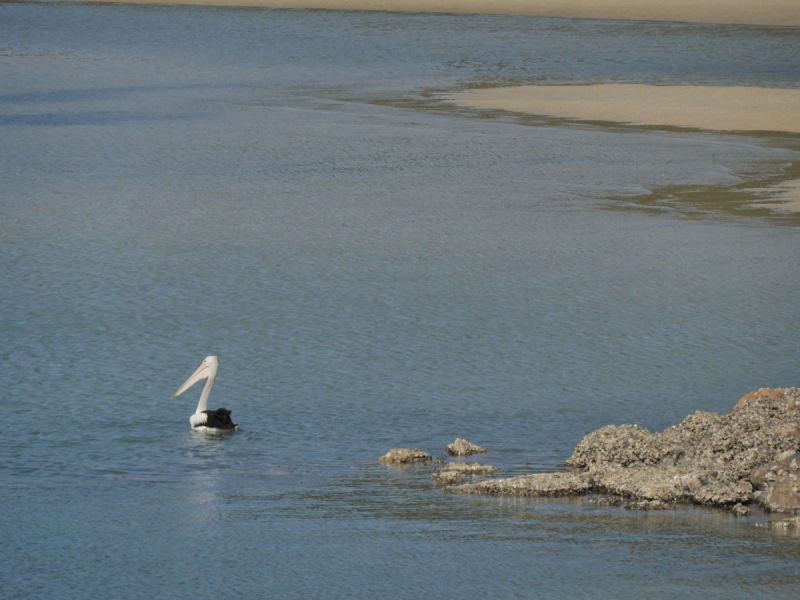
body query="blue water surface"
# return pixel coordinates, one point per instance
(374, 270)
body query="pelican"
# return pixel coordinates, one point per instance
(203, 419)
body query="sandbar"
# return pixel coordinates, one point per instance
(702, 107)
(742, 12)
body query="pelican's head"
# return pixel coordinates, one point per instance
(207, 369)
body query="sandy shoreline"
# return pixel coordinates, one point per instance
(703, 107)
(744, 12)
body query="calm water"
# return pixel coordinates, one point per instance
(375, 269)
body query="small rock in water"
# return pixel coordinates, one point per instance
(462, 447)
(405, 456)
(740, 510)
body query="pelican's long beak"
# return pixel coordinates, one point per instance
(202, 373)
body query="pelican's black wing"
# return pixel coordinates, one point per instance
(219, 419)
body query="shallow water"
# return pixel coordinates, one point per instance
(374, 269)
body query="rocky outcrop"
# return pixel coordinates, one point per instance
(404, 456)
(760, 393)
(462, 447)
(455, 473)
(750, 454)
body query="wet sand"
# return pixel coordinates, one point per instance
(703, 107)
(745, 12)
(788, 198)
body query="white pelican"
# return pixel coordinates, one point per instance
(219, 419)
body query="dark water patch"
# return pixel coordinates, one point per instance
(66, 119)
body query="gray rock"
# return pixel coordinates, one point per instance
(462, 447)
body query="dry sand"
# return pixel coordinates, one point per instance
(704, 107)
(746, 12)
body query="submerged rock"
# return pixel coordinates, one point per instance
(462, 447)
(750, 454)
(646, 505)
(405, 456)
(540, 484)
(784, 524)
(455, 473)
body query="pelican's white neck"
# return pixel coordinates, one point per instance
(212, 375)
(208, 370)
